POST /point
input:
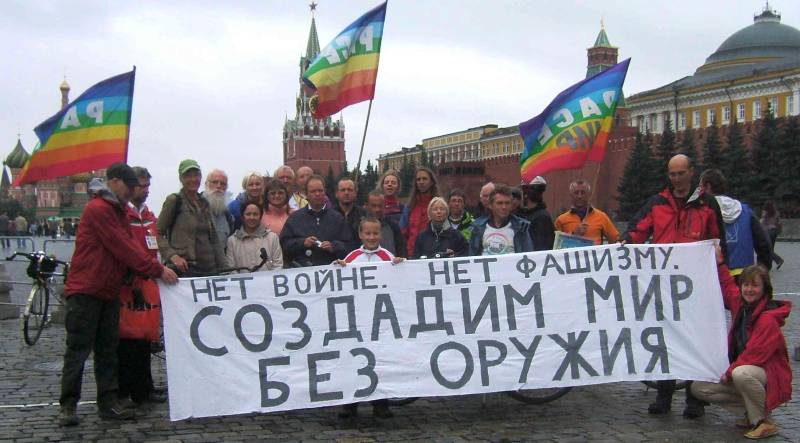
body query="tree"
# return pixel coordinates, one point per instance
(763, 181)
(637, 183)
(330, 184)
(788, 186)
(407, 175)
(665, 149)
(425, 159)
(735, 164)
(712, 149)
(366, 182)
(688, 147)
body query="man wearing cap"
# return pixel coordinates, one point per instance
(583, 219)
(187, 237)
(105, 251)
(534, 210)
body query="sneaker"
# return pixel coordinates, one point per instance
(116, 412)
(381, 410)
(765, 428)
(662, 405)
(68, 417)
(693, 411)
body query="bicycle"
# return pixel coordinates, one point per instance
(42, 270)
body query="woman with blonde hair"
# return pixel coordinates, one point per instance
(253, 192)
(439, 239)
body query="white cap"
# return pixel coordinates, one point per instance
(538, 180)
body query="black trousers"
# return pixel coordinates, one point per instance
(135, 378)
(92, 324)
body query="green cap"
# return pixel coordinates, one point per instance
(187, 165)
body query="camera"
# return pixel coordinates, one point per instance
(318, 244)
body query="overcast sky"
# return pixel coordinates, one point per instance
(216, 79)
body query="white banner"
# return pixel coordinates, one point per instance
(328, 335)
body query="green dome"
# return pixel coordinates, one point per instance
(18, 157)
(766, 38)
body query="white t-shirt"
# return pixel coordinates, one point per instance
(498, 241)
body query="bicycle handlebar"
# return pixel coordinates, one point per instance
(35, 256)
(264, 258)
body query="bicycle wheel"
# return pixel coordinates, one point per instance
(402, 401)
(538, 396)
(35, 315)
(680, 384)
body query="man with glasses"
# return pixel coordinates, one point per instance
(676, 215)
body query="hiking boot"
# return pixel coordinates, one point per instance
(693, 411)
(349, 411)
(67, 416)
(380, 409)
(765, 428)
(662, 405)
(117, 412)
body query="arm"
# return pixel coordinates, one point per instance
(460, 247)
(343, 239)
(765, 340)
(610, 231)
(166, 220)
(475, 240)
(291, 240)
(117, 239)
(640, 227)
(399, 240)
(274, 251)
(543, 233)
(761, 243)
(229, 253)
(730, 291)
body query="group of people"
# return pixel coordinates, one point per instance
(290, 217)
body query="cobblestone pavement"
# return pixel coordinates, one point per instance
(613, 412)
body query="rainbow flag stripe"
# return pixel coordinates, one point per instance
(90, 133)
(574, 127)
(345, 71)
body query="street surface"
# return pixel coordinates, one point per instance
(30, 377)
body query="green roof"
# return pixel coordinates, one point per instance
(602, 40)
(18, 157)
(312, 49)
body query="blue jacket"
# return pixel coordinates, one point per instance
(520, 226)
(744, 235)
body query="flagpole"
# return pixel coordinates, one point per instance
(594, 182)
(363, 140)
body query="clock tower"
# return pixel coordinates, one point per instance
(307, 141)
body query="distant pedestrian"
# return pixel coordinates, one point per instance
(771, 221)
(4, 224)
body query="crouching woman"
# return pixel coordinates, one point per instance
(759, 378)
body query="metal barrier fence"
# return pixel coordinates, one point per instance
(6, 240)
(58, 240)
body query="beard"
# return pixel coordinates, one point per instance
(217, 202)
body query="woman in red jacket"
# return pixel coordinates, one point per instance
(759, 378)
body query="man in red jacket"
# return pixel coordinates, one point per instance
(675, 216)
(105, 250)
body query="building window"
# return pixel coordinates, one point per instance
(696, 119)
(682, 121)
(712, 117)
(726, 114)
(740, 113)
(757, 109)
(773, 106)
(790, 105)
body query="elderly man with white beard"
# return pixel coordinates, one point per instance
(216, 193)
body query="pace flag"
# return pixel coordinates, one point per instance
(90, 133)
(345, 71)
(574, 127)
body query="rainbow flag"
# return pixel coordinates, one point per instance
(90, 133)
(574, 127)
(345, 71)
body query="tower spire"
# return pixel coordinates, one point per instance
(312, 48)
